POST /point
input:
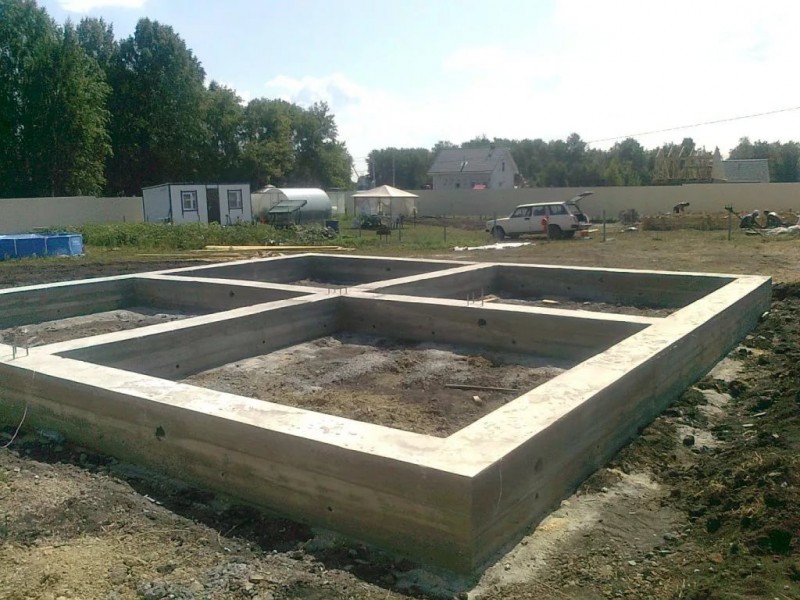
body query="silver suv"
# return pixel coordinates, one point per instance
(555, 219)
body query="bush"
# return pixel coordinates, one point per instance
(194, 236)
(700, 221)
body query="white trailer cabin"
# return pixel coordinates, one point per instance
(224, 203)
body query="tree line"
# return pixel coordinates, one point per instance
(571, 162)
(84, 113)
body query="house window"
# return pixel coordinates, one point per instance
(234, 199)
(189, 201)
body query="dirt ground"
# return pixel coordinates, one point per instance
(60, 330)
(396, 384)
(702, 505)
(568, 304)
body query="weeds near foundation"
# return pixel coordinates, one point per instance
(194, 236)
(16, 433)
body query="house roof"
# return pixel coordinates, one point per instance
(470, 160)
(198, 183)
(384, 191)
(754, 170)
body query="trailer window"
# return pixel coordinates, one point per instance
(189, 201)
(234, 199)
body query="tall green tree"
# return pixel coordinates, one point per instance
(406, 168)
(27, 39)
(53, 118)
(785, 162)
(224, 118)
(96, 37)
(158, 127)
(321, 160)
(267, 149)
(75, 124)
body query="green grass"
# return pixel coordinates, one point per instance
(413, 238)
(195, 236)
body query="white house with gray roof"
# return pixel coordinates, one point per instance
(473, 169)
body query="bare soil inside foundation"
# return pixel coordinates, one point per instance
(405, 385)
(73, 328)
(566, 303)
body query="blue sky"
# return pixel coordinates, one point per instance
(412, 72)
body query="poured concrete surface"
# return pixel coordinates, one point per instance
(37, 304)
(639, 290)
(452, 501)
(315, 269)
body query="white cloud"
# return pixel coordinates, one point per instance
(602, 70)
(367, 118)
(85, 6)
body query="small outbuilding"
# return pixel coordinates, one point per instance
(225, 203)
(284, 206)
(385, 200)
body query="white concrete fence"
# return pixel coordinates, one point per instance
(18, 215)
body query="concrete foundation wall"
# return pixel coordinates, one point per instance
(201, 296)
(182, 348)
(469, 283)
(551, 464)
(341, 270)
(26, 305)
(327, 484)
(453, 502)
(33, 304)
(562, 334)
(19, 215)
(653, 289)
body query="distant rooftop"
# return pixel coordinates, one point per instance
(470, 160)
(752, 170)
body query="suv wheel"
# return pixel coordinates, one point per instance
(554, 232)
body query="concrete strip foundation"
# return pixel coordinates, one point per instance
(452, 502)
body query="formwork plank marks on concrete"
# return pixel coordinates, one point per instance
(453, 496)
(318, 270)
(656, 294)
(39, 304)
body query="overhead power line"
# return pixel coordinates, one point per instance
(739, 118)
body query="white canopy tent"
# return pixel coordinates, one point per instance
(385, 200)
